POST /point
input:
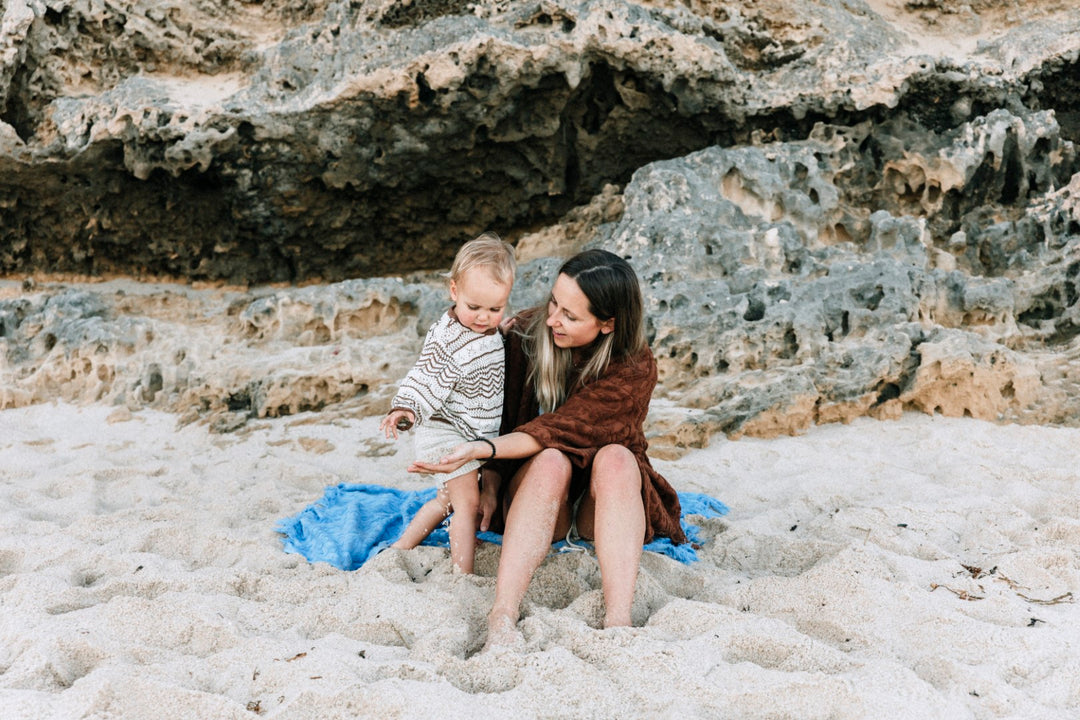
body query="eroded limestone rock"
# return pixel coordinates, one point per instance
(814, 281)
(786, 284)
(836, 208)
(223, 355)
(293, 140)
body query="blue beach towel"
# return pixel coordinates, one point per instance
(352, 523)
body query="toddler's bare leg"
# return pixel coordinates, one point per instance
(427, 518)
(464, 492)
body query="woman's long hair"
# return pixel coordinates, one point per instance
(611, 287)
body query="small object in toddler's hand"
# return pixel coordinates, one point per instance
(404, 424)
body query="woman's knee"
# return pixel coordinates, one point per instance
(616, 459)
(548, 471)
(551, 462)
(615, 467)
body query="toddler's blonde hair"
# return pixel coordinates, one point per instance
(490, 251)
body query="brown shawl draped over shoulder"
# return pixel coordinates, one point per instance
(607, 411)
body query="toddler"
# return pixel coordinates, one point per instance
(454, 392)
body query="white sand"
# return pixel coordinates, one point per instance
(141, 577)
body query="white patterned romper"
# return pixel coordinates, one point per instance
(455, 391)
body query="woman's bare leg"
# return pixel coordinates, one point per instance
(613, 514)
(538, 510)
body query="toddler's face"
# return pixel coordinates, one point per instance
(479, 299)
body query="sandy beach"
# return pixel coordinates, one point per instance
(222, 231)
(922, 568)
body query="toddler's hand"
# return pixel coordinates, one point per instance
(396, 420)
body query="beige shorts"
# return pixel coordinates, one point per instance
(432, 440)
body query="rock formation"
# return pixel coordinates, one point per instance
(297, 139)
(836, 208)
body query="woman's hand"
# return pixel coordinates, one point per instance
(396, 420)
(460, 455)
(508, 324)
(489, 497)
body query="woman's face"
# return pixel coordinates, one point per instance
(571, 323)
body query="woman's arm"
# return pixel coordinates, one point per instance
(514, 445)
(610, 410)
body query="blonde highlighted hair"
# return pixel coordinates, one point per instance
(612, 289)
(489, 251)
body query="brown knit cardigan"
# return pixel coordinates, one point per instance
(607, 411)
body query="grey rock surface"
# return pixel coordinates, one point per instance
(823, 279)
(298, 140)
(836, 208)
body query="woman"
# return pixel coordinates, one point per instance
(579, 378)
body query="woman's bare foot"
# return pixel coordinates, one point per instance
(617, 620)
(502, 630)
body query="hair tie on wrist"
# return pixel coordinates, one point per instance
(484, 439)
